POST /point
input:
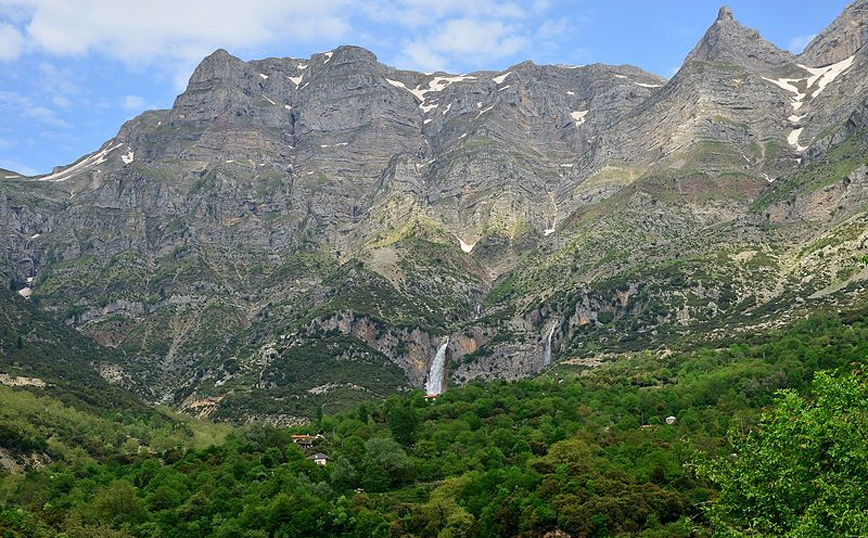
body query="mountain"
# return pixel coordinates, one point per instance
(728, 42)
(842, 39)
(304, 232)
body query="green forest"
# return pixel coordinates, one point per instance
(766, 437)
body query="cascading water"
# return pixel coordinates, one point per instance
(548, 231)
(435, 376)
(547, 352)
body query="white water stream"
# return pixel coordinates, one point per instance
(435, 376)
(547, 352)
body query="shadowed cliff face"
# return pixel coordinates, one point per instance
(295, 230)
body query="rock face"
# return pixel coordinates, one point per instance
(842, 39)
(729, 42)
(296, 231)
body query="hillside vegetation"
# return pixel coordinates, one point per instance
(588, 453)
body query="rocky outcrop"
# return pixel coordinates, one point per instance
(828, 204)
(412, 350)
(721, 94)
(843, 38)
(729, 42)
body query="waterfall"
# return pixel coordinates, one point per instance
(547, 352)
(548, 231)
(435, 376)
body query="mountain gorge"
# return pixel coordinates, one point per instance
(300, 232)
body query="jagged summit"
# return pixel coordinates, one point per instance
(352, 53)
(727, 41)
(842, 39)
(219, 54)
(218, 57)
(216, 66)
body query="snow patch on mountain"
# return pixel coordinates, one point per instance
(819, 80)
(793, 139)
(787, 84)
(823, 76)
(436, 84)
(466, 247)
(579, 116)
(82, 166)
(501, 78)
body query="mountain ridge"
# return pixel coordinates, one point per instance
(295, 231)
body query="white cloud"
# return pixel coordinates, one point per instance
(555, 29)
(489, 39)
(61, 101)
(144, 33)
(15, 103)
(16, 166)
(541, 5)
(423, 58)
(59, 83)
(11, 42)
(179, 34)
(452, 33)
(466, 41)
(798, 43)
(425, 13)
(133, 103)
(44, 115)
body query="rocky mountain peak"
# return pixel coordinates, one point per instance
(352, 53)
(727, 41)
(842, 39)
(217, 66)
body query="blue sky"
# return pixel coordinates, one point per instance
(75, 70)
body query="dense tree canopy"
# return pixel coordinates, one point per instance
(586, 453)
(804, 471)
